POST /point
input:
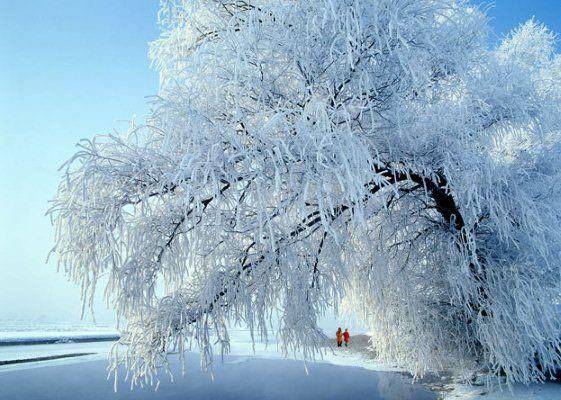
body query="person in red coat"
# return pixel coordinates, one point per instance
(347, 337)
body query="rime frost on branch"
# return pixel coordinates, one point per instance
(304, 152)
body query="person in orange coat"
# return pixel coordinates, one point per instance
(347, 337)
(339, 335)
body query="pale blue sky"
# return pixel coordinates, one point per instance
(70, 69)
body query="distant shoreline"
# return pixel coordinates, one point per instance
(59, 340)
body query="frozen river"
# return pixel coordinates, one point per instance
(64, 369)
(238, 377)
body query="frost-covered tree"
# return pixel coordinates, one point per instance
(304, 153)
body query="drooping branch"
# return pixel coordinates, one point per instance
(439, 192)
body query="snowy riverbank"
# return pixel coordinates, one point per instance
(449, 387)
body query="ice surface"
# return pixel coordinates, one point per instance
(236, 378)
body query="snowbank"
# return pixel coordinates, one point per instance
(450, 388)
